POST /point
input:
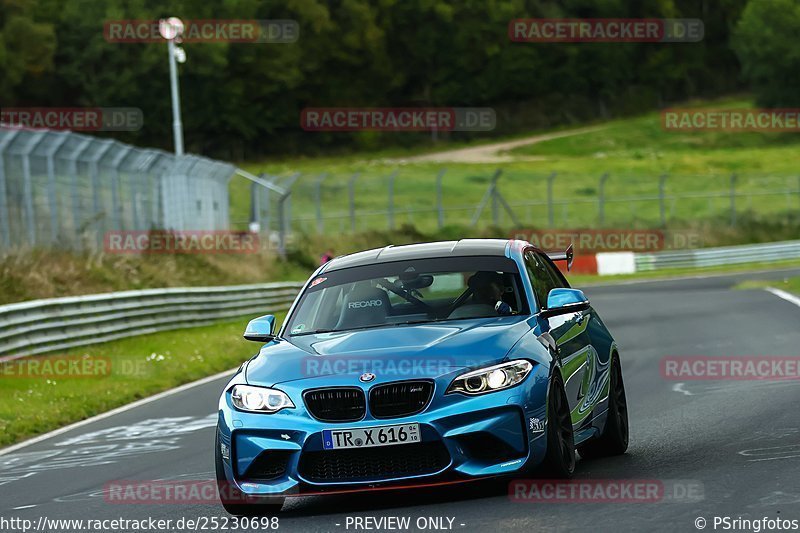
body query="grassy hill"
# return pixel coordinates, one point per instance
(634, 152)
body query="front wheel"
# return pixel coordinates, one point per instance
(235, 501)
(614, 439)
(559, 460)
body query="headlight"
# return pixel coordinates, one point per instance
(259, 399)
(492, 378)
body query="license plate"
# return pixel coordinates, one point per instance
(337, 439)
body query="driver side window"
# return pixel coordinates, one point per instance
(542, 279)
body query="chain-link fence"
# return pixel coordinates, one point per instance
(431, 197)
(62, 189)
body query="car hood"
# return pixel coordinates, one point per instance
(391, 353)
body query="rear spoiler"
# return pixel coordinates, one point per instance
(567, 255)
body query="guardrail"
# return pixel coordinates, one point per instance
(727, 255)
(39, 326)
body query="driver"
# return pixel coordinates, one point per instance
(487, 287)
(487, 291)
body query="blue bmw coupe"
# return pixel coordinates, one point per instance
(417, 365)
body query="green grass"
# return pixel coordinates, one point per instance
(42, 273)
(643, 139)
(787, 284)
(634, 152)
(139, 367)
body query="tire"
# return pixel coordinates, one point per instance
(614, 438)
(559, 460)
(229, 493)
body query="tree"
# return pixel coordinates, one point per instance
(26, 48)
(765, 39)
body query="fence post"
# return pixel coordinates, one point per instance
(138, 186)
(150, 181)
(28, 185)
(115, 186)
(73, 167)
(495, 202)
(351, 191)
(255, 204)
(287, 211)
(52, 202)
(284, 217)
(601, 198)
(4, 218)
(493, 195)
(439, 208)
(550, 213)
(392, 176)
(733, 200)
(270, 185)
(265, 201)
(661, 206)
(318, 201)
(94, 172)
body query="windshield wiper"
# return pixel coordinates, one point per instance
(428, 321)
(312, 332)
(316, 331)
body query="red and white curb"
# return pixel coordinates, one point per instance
(604, 263)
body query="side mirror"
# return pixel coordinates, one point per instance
(562, 301)
(261, 329)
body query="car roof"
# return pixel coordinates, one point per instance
(387, 254)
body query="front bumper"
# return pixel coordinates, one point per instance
(462, 438)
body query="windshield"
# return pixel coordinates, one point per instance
(409, 292)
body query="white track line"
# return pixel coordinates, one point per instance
(681, 387)
(118, 410)
(789, 297)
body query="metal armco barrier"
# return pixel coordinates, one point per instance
(39, 326)
(727, 255)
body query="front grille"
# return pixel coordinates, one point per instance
(338, 404)
(268, 465)
(403, 398)
(374, 464)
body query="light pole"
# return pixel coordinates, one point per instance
(171, 29)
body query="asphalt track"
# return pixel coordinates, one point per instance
(737, 440)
